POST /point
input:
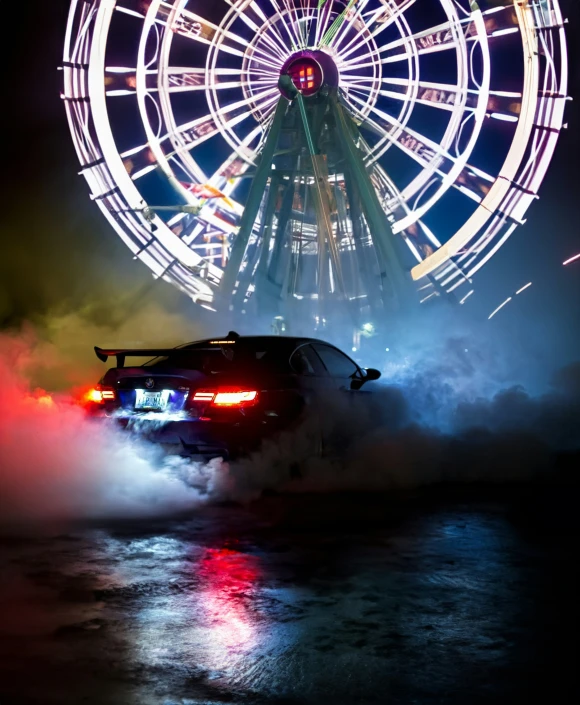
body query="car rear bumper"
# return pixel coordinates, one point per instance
(199, 439)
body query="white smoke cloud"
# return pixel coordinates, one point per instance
(432, 424)
(58, 463)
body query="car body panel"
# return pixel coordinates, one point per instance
(288, 375)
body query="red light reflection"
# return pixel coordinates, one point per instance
(227, 590)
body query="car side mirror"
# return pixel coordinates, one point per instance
(368, 375)
(371, 374)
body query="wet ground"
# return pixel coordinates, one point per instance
(447, 596)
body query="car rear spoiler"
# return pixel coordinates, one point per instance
(231, 337)
(122, 354)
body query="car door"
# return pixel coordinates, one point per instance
(312, 375)
(342, 410)
(315, 384)
(341, 369)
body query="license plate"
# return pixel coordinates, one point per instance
(157, 401)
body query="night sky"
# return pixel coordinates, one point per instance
(60, 254)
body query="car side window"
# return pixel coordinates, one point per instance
(304, 361)
(337, 363)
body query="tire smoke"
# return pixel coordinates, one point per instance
(57, 463)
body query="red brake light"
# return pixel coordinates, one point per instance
(227, 397)
(235, 398)
(99, 395)
(94, 395)
(203, 396)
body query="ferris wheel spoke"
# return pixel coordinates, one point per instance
(473, 183)
(244, 15)
(270, 26)
(410, 152)
(302, 22)
(288, 27)
(410, 141)
(438, 38)
(237, 163)
(441, 96)
(266, 58)
(195, 80)
(324, 13)
(438, 35)
(384, 17)
(192, 26)
(292, 11)
(262, 102)
(184, 78)
(222, 112)
(270, 45)
(265, 74)
(339, 29)
(266, 64)
(200, 130)
(356, 90)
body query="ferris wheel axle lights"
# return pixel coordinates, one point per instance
(307, 75)
(309, 71)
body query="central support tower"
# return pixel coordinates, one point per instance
(314, 240)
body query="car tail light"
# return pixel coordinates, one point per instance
(227, 397)
(203, 396)
(235, 398)
(99, 395)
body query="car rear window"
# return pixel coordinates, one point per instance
(243, 356)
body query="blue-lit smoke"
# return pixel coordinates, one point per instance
(441, 359)
(454, 404)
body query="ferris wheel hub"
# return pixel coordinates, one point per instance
(309, 72)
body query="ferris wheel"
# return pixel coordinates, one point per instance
(329, 150)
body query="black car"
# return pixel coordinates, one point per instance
(222, 397)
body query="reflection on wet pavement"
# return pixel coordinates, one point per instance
(450, 604)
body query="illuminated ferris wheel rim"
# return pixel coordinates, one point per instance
(452, 264)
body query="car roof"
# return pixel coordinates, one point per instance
(260, 339)
(281, 342)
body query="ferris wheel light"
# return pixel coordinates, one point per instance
(499, 308)
(118, 69)
(494, 9)
(127, 11)
(504, 117)
(527, 286)
(572, 259)
(506, 94)
(502, 32)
